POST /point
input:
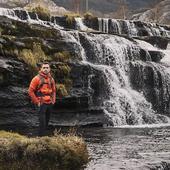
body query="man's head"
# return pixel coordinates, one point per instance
(45, 67)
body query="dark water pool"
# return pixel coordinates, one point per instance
(124, 148)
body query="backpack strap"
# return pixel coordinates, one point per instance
(42, 82)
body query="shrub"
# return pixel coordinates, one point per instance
(55, 153)
(61, 90)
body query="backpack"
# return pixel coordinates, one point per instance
(42, 82)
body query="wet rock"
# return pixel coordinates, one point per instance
(157, 41)
(153, 81)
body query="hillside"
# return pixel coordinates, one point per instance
(160, 13)
(108, 6)
(49, 4)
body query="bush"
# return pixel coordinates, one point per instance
(61, 90)
(55, 153)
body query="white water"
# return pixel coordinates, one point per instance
(10, 13)
(80, 25)
(149, 47)
(116, 26)
(122, 103)
(103, 25)
(130, 28)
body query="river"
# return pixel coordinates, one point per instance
(141, 147)
(129, 148)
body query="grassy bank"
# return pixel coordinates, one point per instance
(46, 153)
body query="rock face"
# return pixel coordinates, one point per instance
(111, 79)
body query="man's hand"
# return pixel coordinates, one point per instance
(39, 104)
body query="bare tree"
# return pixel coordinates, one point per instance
(87, 5)
(122, 9)
(76, 4)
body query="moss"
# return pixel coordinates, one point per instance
(55, 153)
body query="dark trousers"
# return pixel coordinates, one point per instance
(44, 117)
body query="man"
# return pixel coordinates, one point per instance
(42, 91)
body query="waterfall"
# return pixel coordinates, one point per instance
(80, 25)
(24, 16)
(116, 26)
(131, 28)
(112, 56)
(122, 103)
(103, 25)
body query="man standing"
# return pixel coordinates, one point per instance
(42, 91)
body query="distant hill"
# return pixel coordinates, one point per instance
(107, 6)
(49, 4)
(159, 13)
(145, 10)
(13, 3)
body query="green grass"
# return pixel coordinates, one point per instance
(41, 153)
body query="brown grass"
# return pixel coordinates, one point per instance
(53, 153)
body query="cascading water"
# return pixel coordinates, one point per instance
(110, 55)
(24, 16)
(80, 25)
(123, 104)
(131, 28)
(103, 25)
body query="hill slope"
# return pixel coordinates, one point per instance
(160, 13)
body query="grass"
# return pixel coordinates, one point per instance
(70, 18)
(89, 16)
(33, 56)
(41, 153)
(43, 12)
(63, 56)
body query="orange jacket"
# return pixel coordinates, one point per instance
(47, 89)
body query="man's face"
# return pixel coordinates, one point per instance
(45, 68)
